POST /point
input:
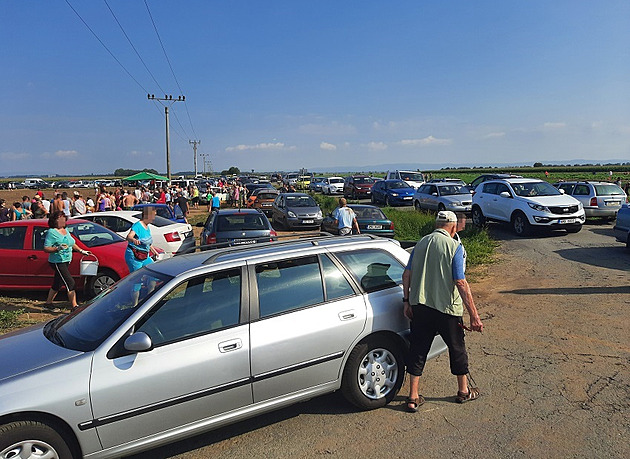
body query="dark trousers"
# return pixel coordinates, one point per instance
(428, 322)
(62, 276)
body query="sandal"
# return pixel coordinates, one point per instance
(462, 397)
(414, 403)
(51, 307)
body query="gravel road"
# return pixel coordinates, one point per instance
(552, 366)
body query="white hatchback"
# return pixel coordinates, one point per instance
(333, 185)
(167, 235)
(526, 203)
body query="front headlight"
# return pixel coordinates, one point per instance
(538, 207)
(580, 206)
(455, 203)
(319, 214)
(291, 214)
(394, 194)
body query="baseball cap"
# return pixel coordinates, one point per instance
(446, 216)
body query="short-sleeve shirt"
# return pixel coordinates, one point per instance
(345, 216)
(144, 236)
(216, 202)
(55, 239)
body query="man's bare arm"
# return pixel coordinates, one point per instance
(469, 302)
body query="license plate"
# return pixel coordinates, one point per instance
(613, 203)
(266, 204)
(307, 222)
(374, 227)
(566, 220)
(244, 241)
(407, 197)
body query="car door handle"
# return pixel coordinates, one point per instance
(231, 345)
(32, 257)
(346, 315)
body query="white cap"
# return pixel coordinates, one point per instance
(446, 216)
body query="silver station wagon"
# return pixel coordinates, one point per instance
(202, 340)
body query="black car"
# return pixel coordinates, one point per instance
(236, 227)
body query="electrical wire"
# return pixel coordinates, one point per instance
(132, 46)
(106, 48)
(170, 66)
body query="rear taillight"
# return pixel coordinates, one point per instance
(211, 239)
(172, 237)
(593, 202)
(272, 233)
(391, 226)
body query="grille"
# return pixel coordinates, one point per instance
(563, 210)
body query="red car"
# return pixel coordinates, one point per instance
(24, 264)
(358, 186)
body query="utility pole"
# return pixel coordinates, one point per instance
(194, 143)
(171, 101)
(203, 158)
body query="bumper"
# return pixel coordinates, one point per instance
(557, 221)
(461, 209)
(401, 200)
(304, 222)
(621, 234)
(606, 212)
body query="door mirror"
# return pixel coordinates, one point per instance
(561, 190)
(138, 342)
(505, 194)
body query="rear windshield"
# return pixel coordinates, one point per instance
(373, 213)
(159, 221)
(448, 190)
(267, 195)
(608, 190)
(238, 222)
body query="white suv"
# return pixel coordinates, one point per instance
(411, 178)
(526, 203)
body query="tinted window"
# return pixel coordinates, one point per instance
(289, 284)
(116, 224)
(39, 236)
(501, 187)
(412, 176)
(431, 189)
(477, 181)
(450, 190)
(608, 190)
(238, 222)
(490, 188)
(12, 237)
(300, 201)
(397, 184)
(566, 187)
(337, 285)
(373, 269)
(163, 212)
(373, 213)
(535, 189)
(581, 190)
(197, 306)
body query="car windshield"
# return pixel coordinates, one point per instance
(535, 189)
(85, 328)
(372, 213)
(93, 235)
(300, 201)
(608, 190)
(397, 184)
(241, 222)
(158, 221)
(336, 180)
(412, 176)
(361, 180)
(449, 190)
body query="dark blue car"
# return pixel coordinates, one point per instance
(164, 210)
(392, 193)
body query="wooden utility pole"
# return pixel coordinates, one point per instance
(171, 101)
(194, 143)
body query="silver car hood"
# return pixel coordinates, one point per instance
(28, 349)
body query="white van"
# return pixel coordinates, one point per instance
(414, 179)
(34, 183)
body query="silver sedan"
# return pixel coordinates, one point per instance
(443, 196)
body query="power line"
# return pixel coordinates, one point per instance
(105, 46)
(169, 64)
(134, 48)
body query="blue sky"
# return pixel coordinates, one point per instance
(279, 85)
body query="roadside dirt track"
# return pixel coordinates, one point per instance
(553, 366)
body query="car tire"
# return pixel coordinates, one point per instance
(388, 202)
(416, 205)
(32, 439)
(520, 224)
(477, 217)
(104, 279)
(373, 373)
(441, 207)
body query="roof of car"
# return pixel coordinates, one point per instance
(516, 180)
(242, 210)
(181, 263)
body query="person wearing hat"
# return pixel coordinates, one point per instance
(435, 293)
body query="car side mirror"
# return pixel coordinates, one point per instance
(434, 194)
(505, 194)
(138, 342)
(561, 191)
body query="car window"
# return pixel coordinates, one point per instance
(12, 237)
(373, 213)
(337, 286)
(412, 176)
(373, 269)
(431, 189)
(241, 222)
(300, 201)
(197, 306)
(289, 284)
(567, 187)
(397, 184)
(581, 190)
(477, 181)
(39, 237)
(501, 187)
(163, 212)
(93, 235)
(178, 212)
(490, 188)
(157, 221)
(363, 180)
(608, 190)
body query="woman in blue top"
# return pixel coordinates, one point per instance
(59, 245)
(139, 250)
